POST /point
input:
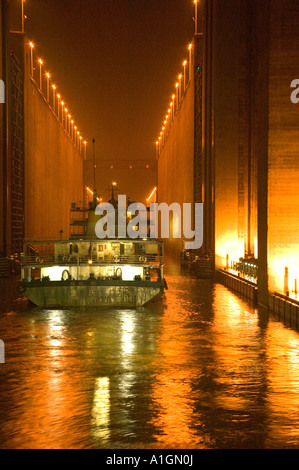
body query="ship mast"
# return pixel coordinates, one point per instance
(94, 175)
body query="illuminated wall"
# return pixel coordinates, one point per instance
(176, 167)
(233, 106)
(283, 157)
(53, 167)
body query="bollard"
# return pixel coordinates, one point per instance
(286, 281)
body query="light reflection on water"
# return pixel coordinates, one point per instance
(199, 369)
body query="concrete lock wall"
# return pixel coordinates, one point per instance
(226, 71)
(176, 167)
(283, 163)
(2, 132)
(53, 167)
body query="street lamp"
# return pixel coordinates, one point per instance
(65, 119)
(54, 97)
(177, 94)
(31, 57)
(196, 16)
(180, 87)
(62, 105)
(184, 65)
(157, 149)
(58, 101)
(72, 123)
(85, 149)
(40, 73)
(48, 86)
(23, 18)
(190, 59)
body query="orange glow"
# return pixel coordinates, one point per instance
(226, 245)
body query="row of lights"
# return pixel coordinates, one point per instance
(57, 104)
(90, 191)
(176, 99)
(177, 96)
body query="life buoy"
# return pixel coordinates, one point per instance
(21, 288)
(39, 260)
(65, 275)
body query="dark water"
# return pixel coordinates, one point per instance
(200, 369)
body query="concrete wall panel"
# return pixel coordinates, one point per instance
(53, 168)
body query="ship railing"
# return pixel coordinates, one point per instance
(69, 260)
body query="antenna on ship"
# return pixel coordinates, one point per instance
(95, 196)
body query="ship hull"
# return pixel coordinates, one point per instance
(117, 294)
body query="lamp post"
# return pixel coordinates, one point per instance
(48, 86)
(65, 119)
(85, 149)
(190, 60)
(23, 18)
(69, 124)
(196, 16)
(62, 105)
(184, 65)
(58, 107)
(177, 94)
(54, 97)
(40, 74)
(180, 87)
(157, 149)
(31, 58)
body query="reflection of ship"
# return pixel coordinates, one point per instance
(86, 271)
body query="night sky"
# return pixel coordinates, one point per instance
(115, 63)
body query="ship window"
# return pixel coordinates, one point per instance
(76, 249)
(100, 247)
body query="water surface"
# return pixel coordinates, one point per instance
(200, 369)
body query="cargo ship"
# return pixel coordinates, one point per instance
(84, 271)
